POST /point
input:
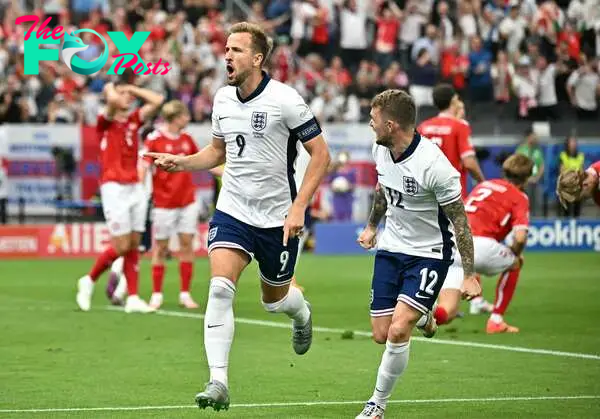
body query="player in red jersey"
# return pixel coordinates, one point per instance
(452, 134)
(495, 208)
(174, 203)
(123, 201)
(575, 186)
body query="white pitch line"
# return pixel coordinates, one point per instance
(294, 404)
(280, 325)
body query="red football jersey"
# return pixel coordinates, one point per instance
(453, 136)
(595, 168)
(172, 190)
(495, 207)
(119, 148)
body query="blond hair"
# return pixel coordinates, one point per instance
(261, 43)
(173, 109)
(517, 168)
(398, 106)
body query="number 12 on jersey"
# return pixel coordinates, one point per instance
(394, 196)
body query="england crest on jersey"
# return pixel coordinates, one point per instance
(259, 120)
(410, 185)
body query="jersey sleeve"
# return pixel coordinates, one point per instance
(465, 148)
(520, 213)
(217, 132)
(150, 147)
(594, 169)
(444, 181)
(299, 119)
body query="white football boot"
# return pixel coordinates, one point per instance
(85, 290)
(186, 301)
(156, 300)
(371, 411)
(134, 304)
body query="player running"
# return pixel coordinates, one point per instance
(576, 186)
(420, 193)
(256, 124)
(495, 208)
(123, 200)
(174, 203)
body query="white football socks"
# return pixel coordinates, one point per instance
(293, 305)
(219, 327)
(117, 266)
(393, 364)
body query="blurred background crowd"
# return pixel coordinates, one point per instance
(535, 60)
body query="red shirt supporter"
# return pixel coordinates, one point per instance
(119, 148)
(453, 136)
(172, 190)
(387, 33)
(496, 207)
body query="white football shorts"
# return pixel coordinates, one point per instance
(491, 258)
(124, 206)
(168, 221)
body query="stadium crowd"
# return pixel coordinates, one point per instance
(541, 56)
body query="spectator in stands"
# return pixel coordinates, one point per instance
(328, 105)
(524, 84)
(546, 90)
(353, 32)
(422, 79)
(583, 87)
(502, 74)
(479, 74)
(571, 159)
(430, 43)
(13, 106)
(388, 24)
(512, 29)
(530, 147)
(410, 31)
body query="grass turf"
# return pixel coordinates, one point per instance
(56, 357)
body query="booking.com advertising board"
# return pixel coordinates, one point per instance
(544, 235)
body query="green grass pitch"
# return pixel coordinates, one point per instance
(54, 357)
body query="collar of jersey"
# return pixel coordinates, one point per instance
(409, 150)
(259, 89)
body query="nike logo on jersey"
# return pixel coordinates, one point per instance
(419, 295)
(210, 326)
(223, 117)
(281, 275)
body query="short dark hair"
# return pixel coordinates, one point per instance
(261, 43)
(442, 96)
(398, 106)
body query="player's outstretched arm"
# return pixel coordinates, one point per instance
(152, 101)
(367, 238)
(210, 156)
(455, 211)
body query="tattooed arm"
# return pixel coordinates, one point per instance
(379, 207)
(367, 238)
(455, 211)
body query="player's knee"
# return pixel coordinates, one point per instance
(160, 252)
(518, 263)
(221, 289)
(122, 246)
(380, 335)
(399, 331)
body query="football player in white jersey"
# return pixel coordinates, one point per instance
(419, 191)
(257, 123)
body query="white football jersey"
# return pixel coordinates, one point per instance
(416, 186)
(261, 134)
